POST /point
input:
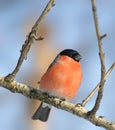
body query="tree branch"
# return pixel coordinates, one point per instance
(97, 86)
(102, 59)
(64, 105)
(30, 40)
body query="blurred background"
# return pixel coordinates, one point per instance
(69, 24)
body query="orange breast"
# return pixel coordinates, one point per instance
(63, 79)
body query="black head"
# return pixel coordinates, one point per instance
(71, 53)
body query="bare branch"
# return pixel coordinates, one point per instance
(30, 38)
(64, 105)
(97, 86)
(102, 59)
(103, 36)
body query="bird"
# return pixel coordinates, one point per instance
(62, 79)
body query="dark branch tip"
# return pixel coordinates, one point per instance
(103, 36)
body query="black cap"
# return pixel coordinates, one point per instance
(71, 53)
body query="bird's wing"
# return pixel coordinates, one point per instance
(54, 62)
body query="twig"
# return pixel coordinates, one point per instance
(64, 105)
(97, 86)
(99, 38)
(29, 40)
(103, 36)
(102, 60)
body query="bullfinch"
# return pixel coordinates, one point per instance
(62, 79)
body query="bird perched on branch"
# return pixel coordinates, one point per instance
(62, 79)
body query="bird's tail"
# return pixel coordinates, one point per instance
(42, 113)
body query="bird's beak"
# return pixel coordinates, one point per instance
(78, 57)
